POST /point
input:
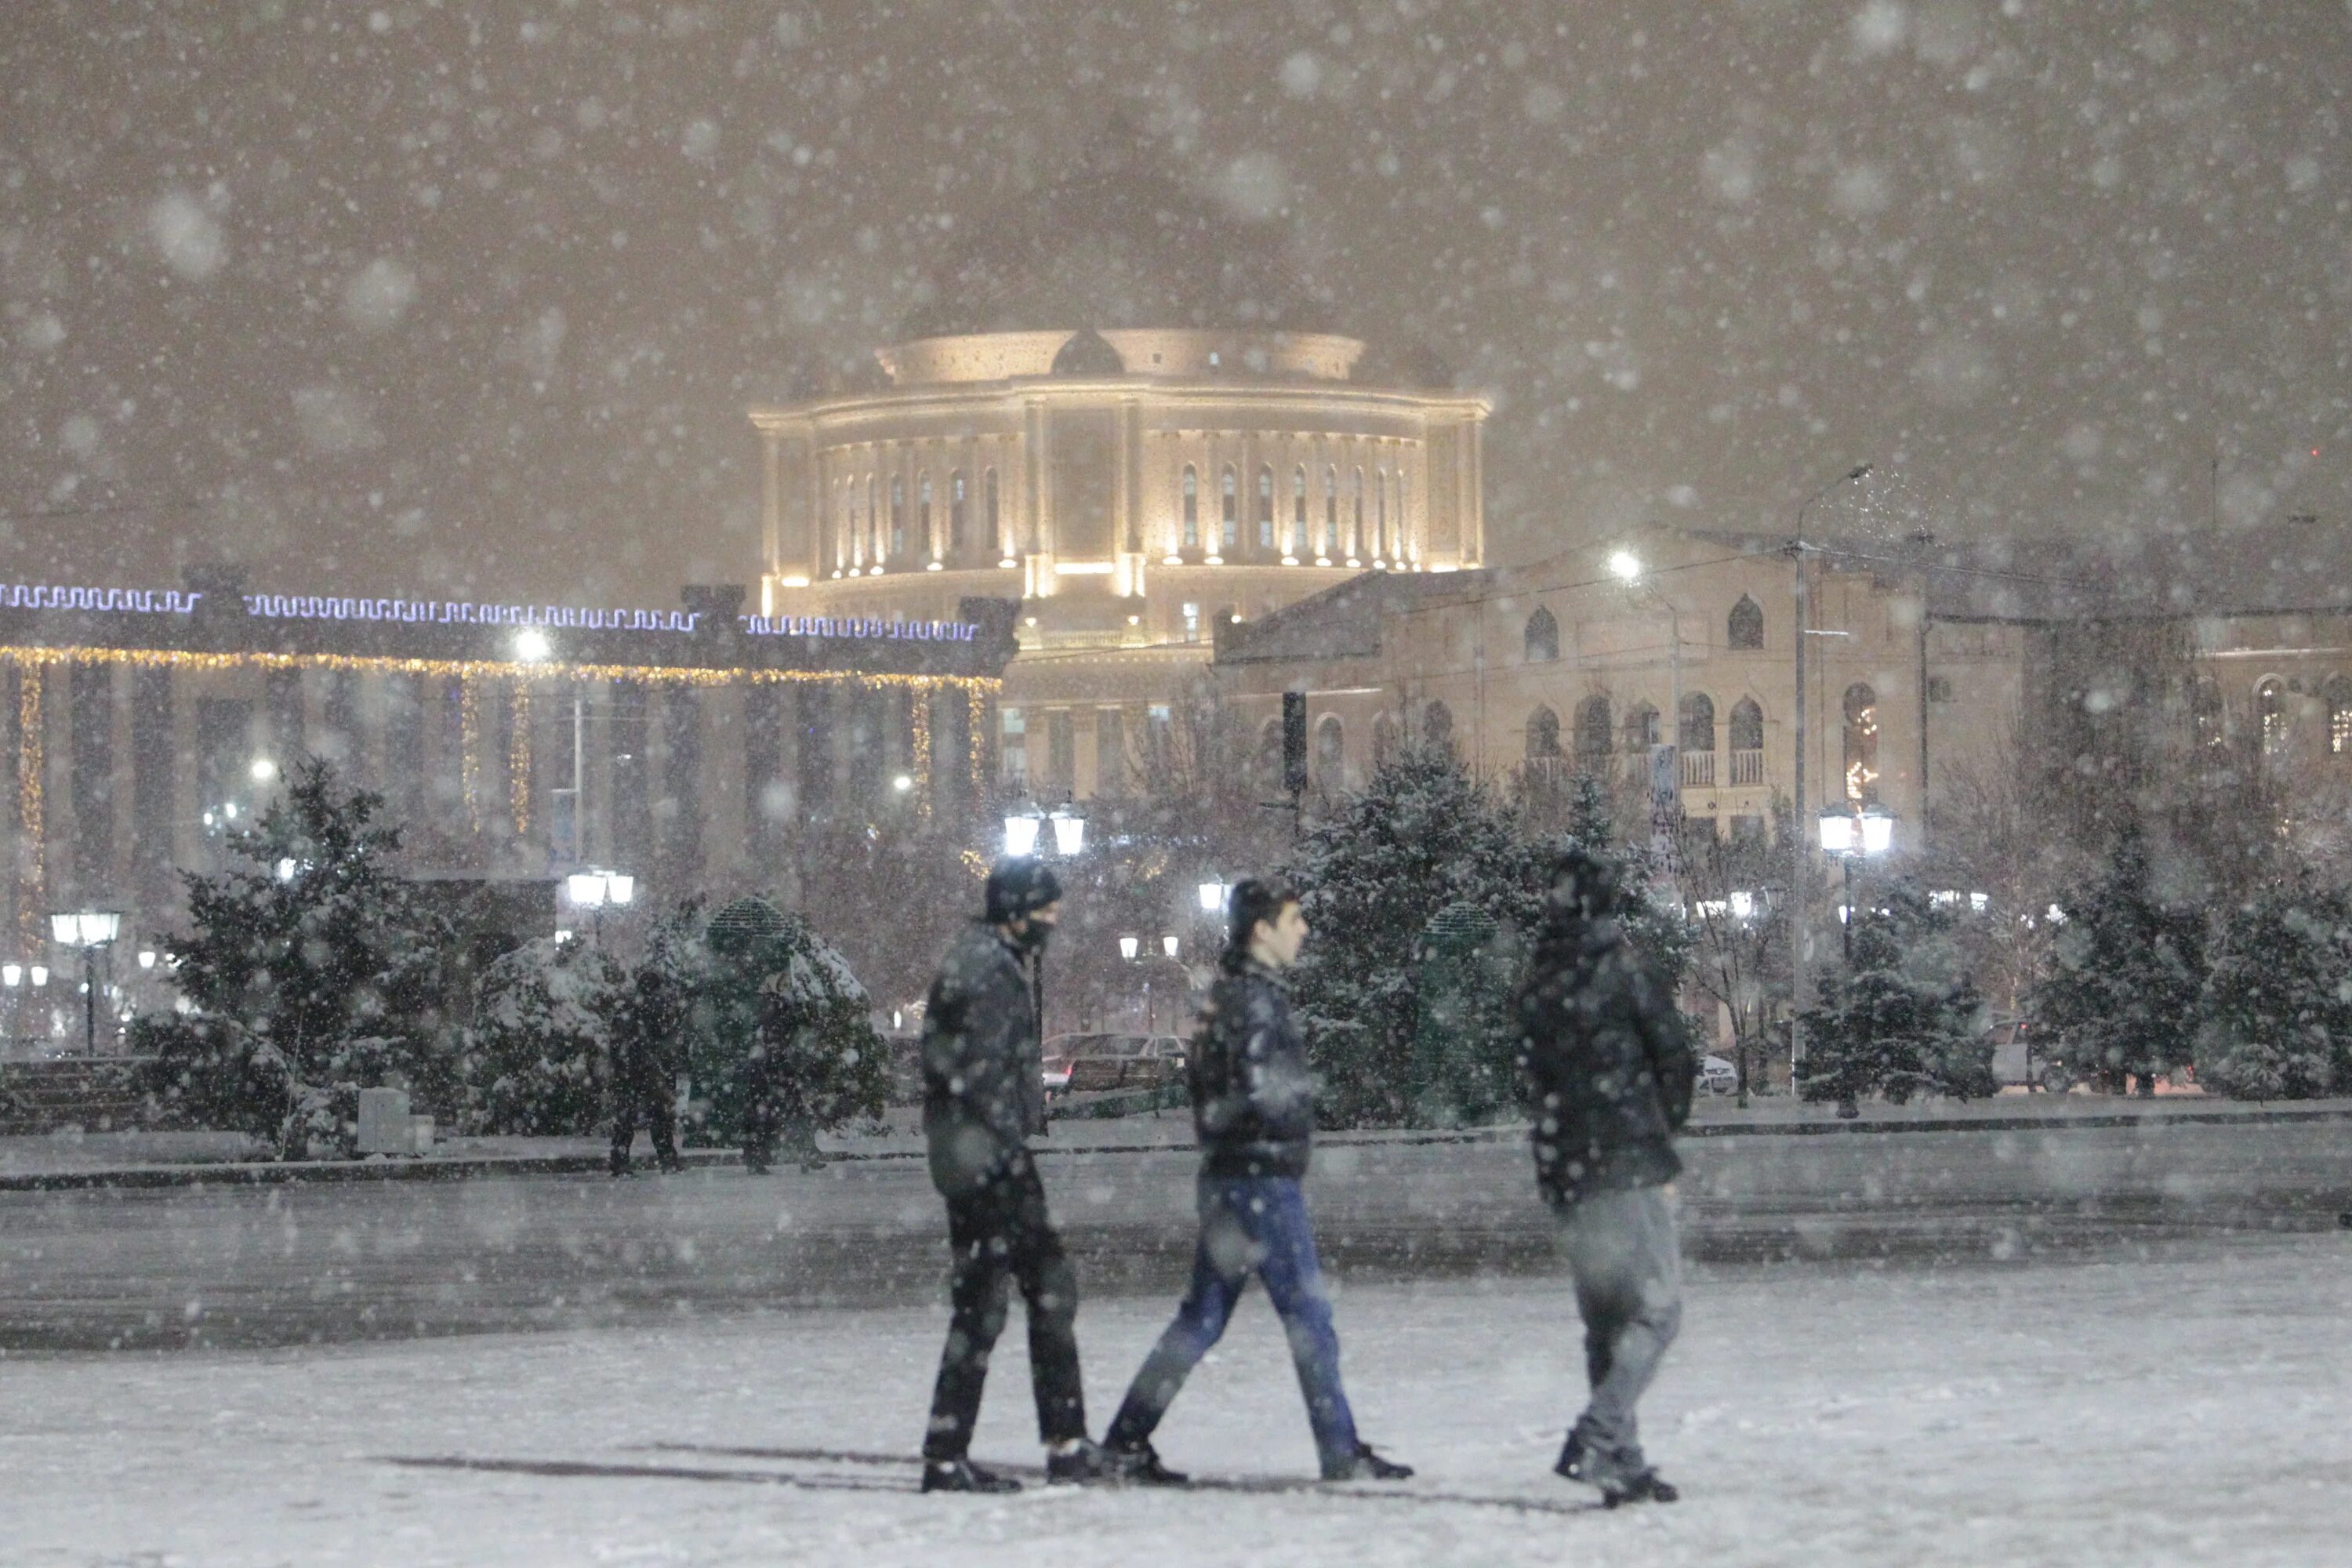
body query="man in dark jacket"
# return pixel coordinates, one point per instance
(642, 1087)
(983, 1095)
(1608, 1068)
(774, 1085)
(1254, 1109)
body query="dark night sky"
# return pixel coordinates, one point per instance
(448, 299)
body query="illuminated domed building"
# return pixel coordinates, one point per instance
(1121, 405)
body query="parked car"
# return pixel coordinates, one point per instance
(1078, 1064)
(1718, 1075)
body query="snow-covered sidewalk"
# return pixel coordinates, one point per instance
(2081, 1414)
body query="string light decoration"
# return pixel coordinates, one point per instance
(469, 747)
(976, 719)
(918, 720)
(32, 879)
(676, 675)
(32, 660)
(518, 759)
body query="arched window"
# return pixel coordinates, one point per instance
(1746, 738)
(923, 513)
(1746, 628)
(1697, 731)
(1541, 638)
(1298, 512)
(1192, 507)
(1592, 731)
(856, 533)
(2338, 692)
(1380, 514)
(1265, 770)
(1640, 729)
(1384, 739)
(1694, 738)
(1437, 725)
(1265, 507)
(1330, 511)
(1330, 754)
(1543, 735)
(1861, 744)
(959, 534)
(1356, 493)
(897, 516)
(2206, 720)
(1232, 503)
(2270, 709)
(873, 521)
(1747, 728)
(1402, 548)
(990, 517)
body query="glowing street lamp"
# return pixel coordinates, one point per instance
(593, 890)
(1069, 832)
(1128, 947)
(1168, 945)
(1021, 829)
(1213, 896)
(89, 930)
(1854, 833)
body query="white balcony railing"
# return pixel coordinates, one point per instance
(1746, 768)
(1698, 770)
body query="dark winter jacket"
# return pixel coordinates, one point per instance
(648, 1049)
(983, 1073)
(1607, 1062)
(1253, 1096)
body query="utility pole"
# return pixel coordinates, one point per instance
(1800, 986)
(1801, 878)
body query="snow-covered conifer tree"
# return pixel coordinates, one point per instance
(311, 970)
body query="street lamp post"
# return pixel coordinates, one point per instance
(1799, 888)
(1666, 798)
(88, 930)
(1852, 834)
(1025, 831)
(593, 890)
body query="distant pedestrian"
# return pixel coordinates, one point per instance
(776, 1110)
(1608, 1068)
(1254, 1109)
(983, 1096)
(640, 1084)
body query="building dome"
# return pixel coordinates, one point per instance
(1118, 244)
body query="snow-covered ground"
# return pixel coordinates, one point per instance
(2080, 1413)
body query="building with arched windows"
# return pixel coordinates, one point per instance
(1148, 429)
(1929, 667)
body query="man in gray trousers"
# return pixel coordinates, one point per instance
(1609, 1069)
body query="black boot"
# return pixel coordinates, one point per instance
(1366, 1465)
(1643, 1486)
(1571, 1457)
(963, 1476)
(1140, 1466)
(1081, 1462)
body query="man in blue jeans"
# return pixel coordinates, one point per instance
(1254, 1106)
